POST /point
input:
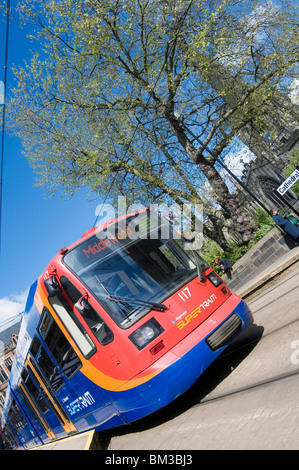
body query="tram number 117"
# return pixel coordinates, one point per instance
(185, 294)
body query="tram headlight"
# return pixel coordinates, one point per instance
(146, 333)
(215, 279)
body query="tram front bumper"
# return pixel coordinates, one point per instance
(178, 369)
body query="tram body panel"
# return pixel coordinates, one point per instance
(114, 330)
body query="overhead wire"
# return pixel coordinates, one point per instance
(3, 114)
(4, 324)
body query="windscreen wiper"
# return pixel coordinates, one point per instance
(126, 300)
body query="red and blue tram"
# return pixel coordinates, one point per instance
(120, 324)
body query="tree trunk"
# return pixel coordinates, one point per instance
(242, 222)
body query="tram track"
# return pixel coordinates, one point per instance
(251, 390)
(291, 370)
(226, 384)
(248, 417)
(264, 383)
(214, 380)
(266, 335)
(280, 297)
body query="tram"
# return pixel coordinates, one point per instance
(120, 324)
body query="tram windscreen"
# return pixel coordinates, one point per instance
(133, 263)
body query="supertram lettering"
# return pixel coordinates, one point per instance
(181, 324)
(209, 301)
(80, 403)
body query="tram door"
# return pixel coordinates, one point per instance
(37, 370)
(35, 404)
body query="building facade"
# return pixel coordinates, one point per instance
(271, 134)
(8, 343)
(264, 178)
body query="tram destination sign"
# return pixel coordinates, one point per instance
(288, 183)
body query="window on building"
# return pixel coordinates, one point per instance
(8, 362)
(3, 376)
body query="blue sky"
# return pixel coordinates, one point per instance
(33, 228)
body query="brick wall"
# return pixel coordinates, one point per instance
(268, 250)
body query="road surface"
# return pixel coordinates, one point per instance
(248, 399)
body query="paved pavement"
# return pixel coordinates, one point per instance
(248, 399)
(249, 421)
(233, 415)
(254, 405)
(260, 279)
(84, 441)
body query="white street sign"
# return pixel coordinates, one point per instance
(288, 183)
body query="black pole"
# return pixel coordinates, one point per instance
(227, 169)
(289, 205)
(3, 114)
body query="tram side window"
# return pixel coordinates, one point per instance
(28, 405)
(60, 348)
(16, 417)
(71, 290)
(46, 364)
(11, 442)
(73, 325)
(95, 322)
(34, 392)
